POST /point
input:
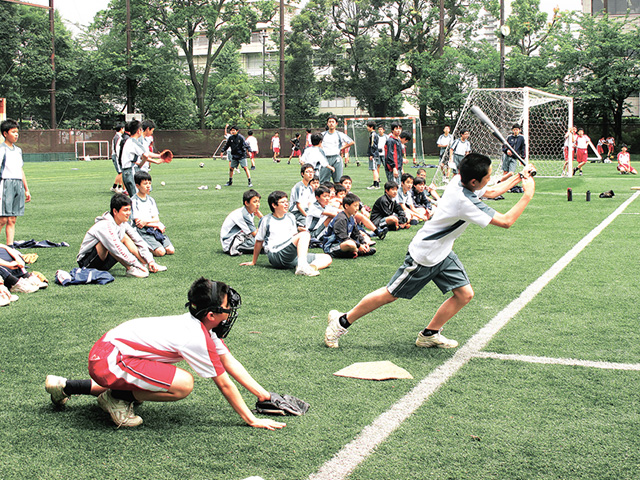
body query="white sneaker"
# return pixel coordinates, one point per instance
(24, 286)
(334, 330)
(33, 280)
(114, 189)
(121, 412)
(4, 301)
(160, 268)
(137, 272)
(307, 270)
(436, 340)
(54, 386)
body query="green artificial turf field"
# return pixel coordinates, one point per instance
(552, 395)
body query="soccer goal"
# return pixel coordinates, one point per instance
(92, 149)
(544, 118)
(356, 128)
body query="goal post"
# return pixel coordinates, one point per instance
(356, 128)
(89, 149)
(544, 119)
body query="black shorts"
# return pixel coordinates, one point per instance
(91, 259)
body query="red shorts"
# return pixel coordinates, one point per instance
(111, 369)
(296, 153)
(252, 155)
(276, 150)
(581, 155)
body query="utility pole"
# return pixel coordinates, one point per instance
(282, 118)
(130, 96)
(503, 33)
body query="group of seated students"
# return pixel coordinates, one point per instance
(14, 277)
(327, 216)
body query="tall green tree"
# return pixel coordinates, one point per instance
(213, 22)
(605, 62)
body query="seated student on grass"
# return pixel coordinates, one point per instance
(624, 162)
(421, 202)
(113, 240)
(14, 274)
(405, 199)
(314, 155)
(134, 362)
(362, 218)
(386, 212)
(343, 238)
(238, 231)
(431, 190)
(320, 213)
(146, 218)
(430, 256)
(286, 245)
(302, 194)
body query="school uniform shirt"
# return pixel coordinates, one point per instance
(276, 233)
(146, 142)
(131, 152)
(332, 143)
(171, 339)
(145, 209)
(444, 140)
(300, 193)
(457, 208)
(373, 150)
(382, 142)
(240, 220)
(314, 221)
(12, 161)
(404, 198)
(461, 148)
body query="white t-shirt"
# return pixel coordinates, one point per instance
(405, 198)
(461, 148)
(582, 141)
(624, 159)
(276, 233)
(382, 141)
(239, 220)
(314, 156)
(301, 194)
(169, 340)
(444, 140)
(253, 143)
(13, 164)
(145, 209)
(131, 152)
(456, 209)
(275, 142)
(332, 143)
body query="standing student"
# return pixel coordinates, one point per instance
(515, 143)
(253, 148)
(275, 147)
(334, 143)
(295, 148)
(611, 143)
(373, 151)
(430, 256)
(582, 150)
(569, 149)
(132, 152)
(459, 149)
(238, 147)
(314, 155)
(394, 152)
(307, 140)
(444, 142)
(117, 186)
(14, 191)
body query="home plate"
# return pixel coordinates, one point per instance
(384, 370)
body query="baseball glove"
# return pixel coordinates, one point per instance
(282, 405)
(166, 156)
(29, 257)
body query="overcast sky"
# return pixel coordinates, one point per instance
(82, 11)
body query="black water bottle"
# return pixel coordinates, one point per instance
(569, 195)
(588, 195)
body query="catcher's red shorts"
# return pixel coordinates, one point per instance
(581, 155)
(109, 368)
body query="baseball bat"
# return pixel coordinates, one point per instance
(495, 132)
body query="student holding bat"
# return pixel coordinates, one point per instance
(431, 257)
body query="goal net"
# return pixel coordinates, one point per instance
(356, 128)
(544, 120)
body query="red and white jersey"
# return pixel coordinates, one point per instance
(171, 339)
(624, 158)
(582, 141)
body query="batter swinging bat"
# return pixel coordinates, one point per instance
(494, 130)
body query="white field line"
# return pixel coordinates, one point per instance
(559, 361)
(356, 451)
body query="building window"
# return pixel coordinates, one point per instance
(615, 7)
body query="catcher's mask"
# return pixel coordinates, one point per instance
(233, 303)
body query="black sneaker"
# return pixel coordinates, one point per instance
(250, 184)
(381, 232)
(228, 184)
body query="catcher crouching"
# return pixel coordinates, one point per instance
(134, 362)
